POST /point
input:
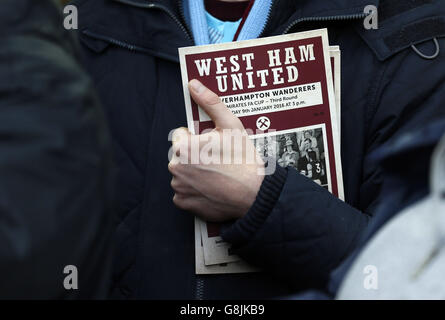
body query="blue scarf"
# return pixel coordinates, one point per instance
(194, 12)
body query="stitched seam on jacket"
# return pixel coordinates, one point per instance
(147, 148)
(371, 107)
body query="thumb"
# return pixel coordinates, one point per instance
(213, 106)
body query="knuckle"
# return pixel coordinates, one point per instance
(178, 133)
(179, 201)
(172, 167)
(174, 184)
(175, 168)
(180, 139)
(176, 200)
(182, 148)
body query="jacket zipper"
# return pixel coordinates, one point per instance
(188, 35)
(267, 18)
(199, 288)
(162, 8)
(132, 47)
(324, 19)
(181, 12)
(112, 41)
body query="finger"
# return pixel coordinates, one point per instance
(179, 133)
(181, 140)
(198, 205)
(201, 207)
(180, 187)
(213, 106)
(187, 203)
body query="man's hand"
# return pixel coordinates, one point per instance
(216, 175)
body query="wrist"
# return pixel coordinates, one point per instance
(256, 215)
(254, 187)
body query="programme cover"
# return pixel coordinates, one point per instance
(281, 88)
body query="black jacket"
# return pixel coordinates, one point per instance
(295, 230)
(55, 168)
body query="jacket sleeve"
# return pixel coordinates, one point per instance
(54, 161)
(296, 229)
(300, 232)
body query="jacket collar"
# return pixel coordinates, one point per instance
(289, 10)
(295, 12)
(309, 6)
(138, 24)
(283, 13)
